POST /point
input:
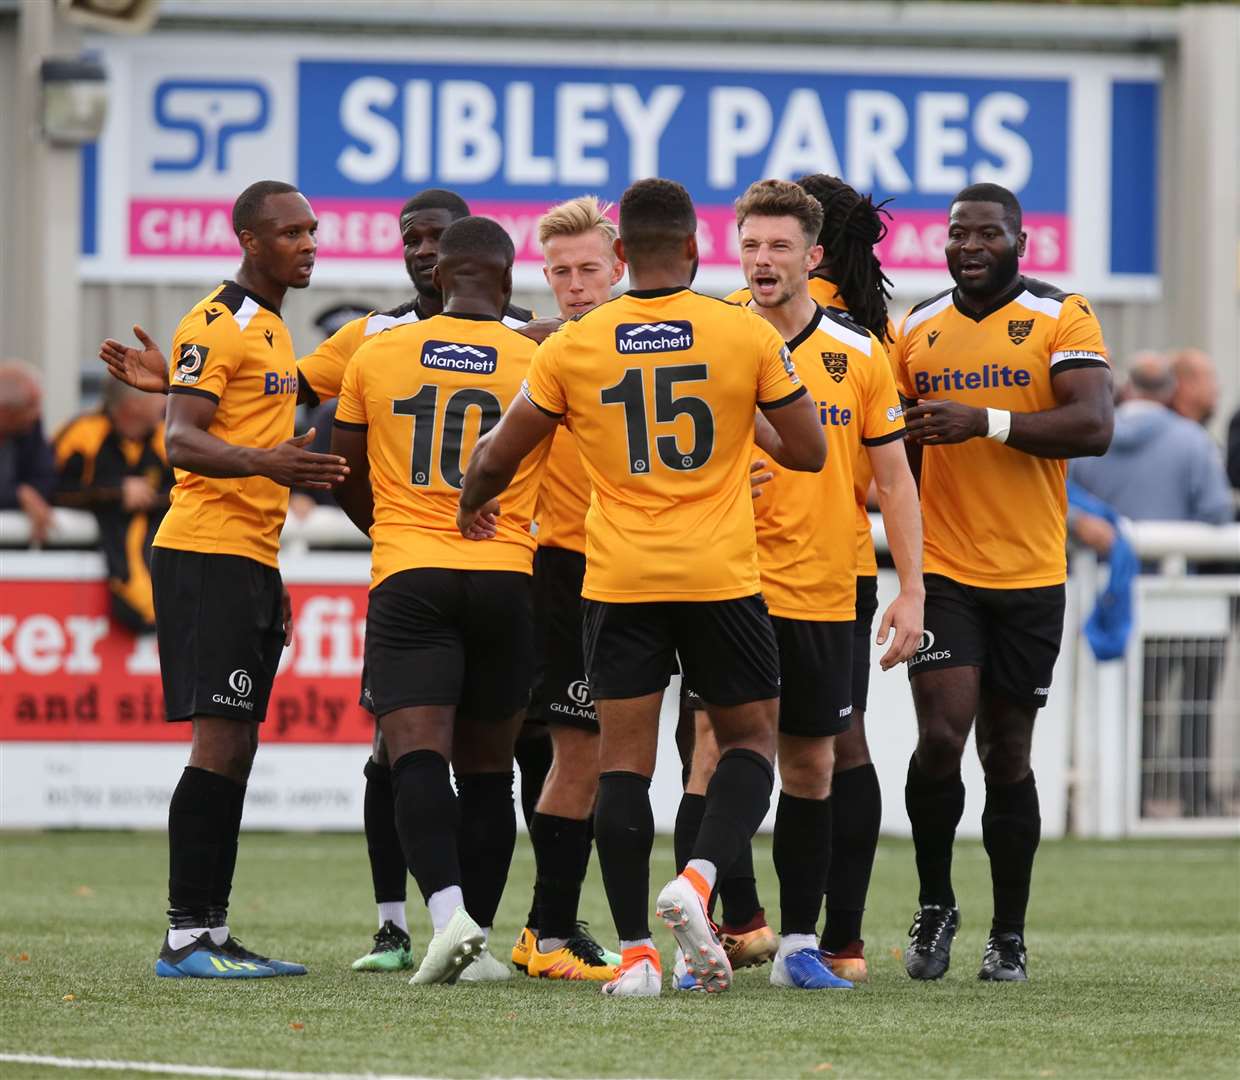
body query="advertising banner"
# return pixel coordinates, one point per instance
(361, 125)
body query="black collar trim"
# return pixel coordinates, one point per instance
(652, 294)
(1000, 301)
(796, 342)
(255, 297)
(472, 315)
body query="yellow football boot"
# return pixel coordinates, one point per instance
(525, 944)
(578, 959)
(749, 945)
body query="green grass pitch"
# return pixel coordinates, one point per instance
(1134, 962)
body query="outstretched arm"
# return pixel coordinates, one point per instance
(1078, 425)
(792, 435)
(495, 461)
(193, 448)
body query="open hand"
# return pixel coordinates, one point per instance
(143, 369)
(480, 524)
(293, 466)
(938, 423)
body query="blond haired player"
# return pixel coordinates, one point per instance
(581, 266)
(659, 387)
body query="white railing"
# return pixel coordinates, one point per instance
(1145, 745)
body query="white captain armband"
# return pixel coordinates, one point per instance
(998, 424)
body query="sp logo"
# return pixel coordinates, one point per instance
(240, 682)
(579, 692)
(1018, 330)
(208, 114)
(836, 364)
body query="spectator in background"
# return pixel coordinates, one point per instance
(1160, 466)
(27, 471)
(1233, 450)
(320, 417)
(1196, 385)
(112, 463)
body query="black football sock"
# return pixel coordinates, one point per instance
(201, 820)
(624, 836)
(685, 831)
(531, 920)
(221, 886)
(737, 799)
(801, 849)
(1011, 828)
(533, 756)
(934, 809)
(738, 891)
(561, 853)
(387, 862)
(856, 815)
(427, 820)
(488, 834)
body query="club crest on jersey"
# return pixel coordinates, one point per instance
(453, 356)
(675, 335)
(836, 364)
(189, 363)
(1019, 329)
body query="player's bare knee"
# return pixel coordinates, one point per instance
(940, 748)
(1004, 760)
(805, 776)
(852, 750)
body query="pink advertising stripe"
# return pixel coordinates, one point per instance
(370, 229)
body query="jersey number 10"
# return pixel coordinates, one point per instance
(422, 407)
(630, 392)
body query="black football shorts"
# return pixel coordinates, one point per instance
(561, 692)
(726, 648)
(220, 625)
(1012, 635)
(815, 676)
(863, 634)
(450, 637)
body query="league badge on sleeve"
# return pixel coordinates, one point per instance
(189, 364)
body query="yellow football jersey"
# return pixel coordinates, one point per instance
(658, 388)
(323, 369)
(995, 517)
(564, 496)
(425, 393)
(807, 547)
(233, 348)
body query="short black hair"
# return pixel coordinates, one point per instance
(436, 199)
(993, 193)
(476, 237)
(247, 211)
(655, 216)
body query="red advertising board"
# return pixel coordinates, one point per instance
(69, 673)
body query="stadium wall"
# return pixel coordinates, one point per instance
(1169, 78)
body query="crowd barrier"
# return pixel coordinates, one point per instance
(1149, 744)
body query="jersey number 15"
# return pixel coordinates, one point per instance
(630, 392)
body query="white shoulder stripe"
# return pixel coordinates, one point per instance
(1043, 304)
(851, 338)
(246, 312)
(512, 323)
(916, 318)
(376, 323)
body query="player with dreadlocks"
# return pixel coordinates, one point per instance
(848, 278)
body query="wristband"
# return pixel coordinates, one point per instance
(998, 424)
